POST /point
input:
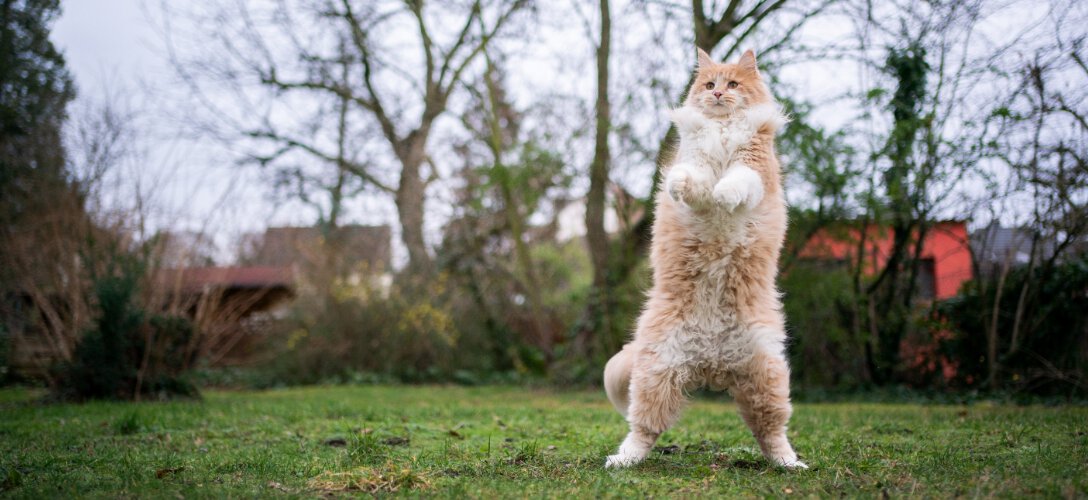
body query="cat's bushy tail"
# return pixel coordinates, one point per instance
(617, 379)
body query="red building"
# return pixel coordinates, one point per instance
(946, 255)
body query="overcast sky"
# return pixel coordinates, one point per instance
(112, 47)
(103, 37)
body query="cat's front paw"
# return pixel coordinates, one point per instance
(678, 183)
(741, 187)
(729, 196)
(734, 195)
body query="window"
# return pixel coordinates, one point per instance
(926, 286)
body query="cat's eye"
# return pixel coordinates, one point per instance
(733, 85)
(710, 85)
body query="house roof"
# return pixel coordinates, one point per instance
(838, 240)
(198, 278)
(995, 244)
(285, 246)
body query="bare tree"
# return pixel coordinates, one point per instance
(340, 53)
(1044, 144)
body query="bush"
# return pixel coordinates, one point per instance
(127, 354)
(463, 323)
(339, 327)
(1048, 353)
(823, 352)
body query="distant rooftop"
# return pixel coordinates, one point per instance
(287, 246)
(995, 244)
(197, 278)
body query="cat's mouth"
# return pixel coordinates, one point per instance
(721, 107)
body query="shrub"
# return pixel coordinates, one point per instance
(462, 324)
(1047, 352)
(822, 350)
(339, 327)
(5, 355)
(127, 354)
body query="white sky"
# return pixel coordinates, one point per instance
(111, 47)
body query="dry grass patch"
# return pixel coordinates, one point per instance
(387, 478)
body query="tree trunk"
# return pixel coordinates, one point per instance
(409, 199)
(634, 242)
(598, 312)
(991, 332)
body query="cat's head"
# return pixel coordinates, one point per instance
(721, 89)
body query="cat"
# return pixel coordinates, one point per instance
(713, 316)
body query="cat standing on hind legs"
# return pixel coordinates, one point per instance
(713, 316)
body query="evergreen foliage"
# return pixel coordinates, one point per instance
(1048, 353)
(128, 354)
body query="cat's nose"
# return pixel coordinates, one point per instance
(717, 94)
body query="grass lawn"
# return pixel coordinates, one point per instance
(504, 441)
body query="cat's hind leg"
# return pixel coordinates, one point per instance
(656, 399)
(762, 393)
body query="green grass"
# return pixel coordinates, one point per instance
(503, 441)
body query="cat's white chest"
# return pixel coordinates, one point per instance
(712, 145)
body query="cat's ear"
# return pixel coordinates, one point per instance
(748, 61)
(704, 59)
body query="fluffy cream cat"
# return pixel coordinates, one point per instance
(713, 317)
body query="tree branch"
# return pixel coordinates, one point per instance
(373, 104)
(484, 40)
(461, 37)
(416, 6)
(292, 143)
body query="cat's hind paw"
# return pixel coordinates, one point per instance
(631, 452)
(626, 456)
(620, 461)
(793, 464)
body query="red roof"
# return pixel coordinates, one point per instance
(197, 278)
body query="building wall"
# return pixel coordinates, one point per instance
(946, 244)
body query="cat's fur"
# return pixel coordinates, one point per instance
(713, 317)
